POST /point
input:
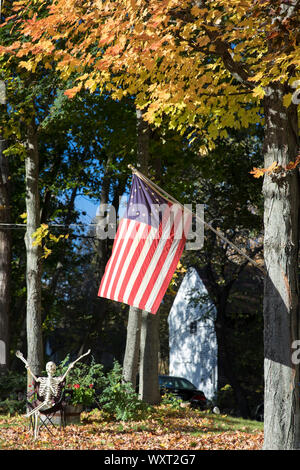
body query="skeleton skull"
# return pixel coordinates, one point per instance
(50, 368)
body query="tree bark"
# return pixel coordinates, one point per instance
(134, 324)
(281, 293)
(149, 341)
(33, 253)
(132, 349)
(143, 327)
(5, 259)
(149, 386)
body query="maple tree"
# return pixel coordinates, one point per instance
(203, 67)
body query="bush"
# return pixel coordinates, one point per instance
(12, 392)
(12, 407)
(172, 400)
(225, 399)
(83, 382)
(119, 399)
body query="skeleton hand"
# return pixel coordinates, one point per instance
(73, 364)
(20, 356)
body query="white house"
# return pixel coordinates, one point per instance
(192, 337)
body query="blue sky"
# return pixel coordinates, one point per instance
(88, 205)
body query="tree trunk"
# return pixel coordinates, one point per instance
(33, 260)
(134, 324)
(5, 259)
(149, 387)
(142, 327)
(281, 296)
(132, 349)
(149, 344)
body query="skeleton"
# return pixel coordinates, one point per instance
(49, 386)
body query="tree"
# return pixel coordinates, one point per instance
(245, 57)
(142, 341)
(34, 254)
(149, 336)
(5, 242)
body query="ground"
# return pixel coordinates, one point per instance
(164, 429)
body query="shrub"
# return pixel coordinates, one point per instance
(172, 400)
(12, 407)
(119, 399)
(83, 383)
(12, 392)
(226, 399)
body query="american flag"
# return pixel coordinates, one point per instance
(146, 250)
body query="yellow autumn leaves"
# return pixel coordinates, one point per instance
(42, 236)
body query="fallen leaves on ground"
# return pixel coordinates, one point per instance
(166, 429)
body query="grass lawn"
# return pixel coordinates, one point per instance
(164, 429)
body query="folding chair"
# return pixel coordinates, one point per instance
(44, 417)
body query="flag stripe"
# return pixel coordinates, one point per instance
(138, 272)
(129, 252)
(109, 267)
(126, 240)
(160, 268)
(172, 266)
(164, 232)
(124, 250)
(142, 272)
(133, 263)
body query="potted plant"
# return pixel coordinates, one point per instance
(83, 384)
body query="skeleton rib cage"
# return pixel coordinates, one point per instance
(48, 391)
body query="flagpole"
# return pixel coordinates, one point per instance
(170, 198)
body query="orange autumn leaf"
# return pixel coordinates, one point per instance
(293, 165)
(258, 172)
(71, 92)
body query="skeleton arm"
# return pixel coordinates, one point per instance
(72, 365)
(20, 356)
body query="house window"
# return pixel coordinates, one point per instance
(193, 327)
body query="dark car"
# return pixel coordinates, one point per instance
(184, 389)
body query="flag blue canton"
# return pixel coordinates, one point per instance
(145, 204)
